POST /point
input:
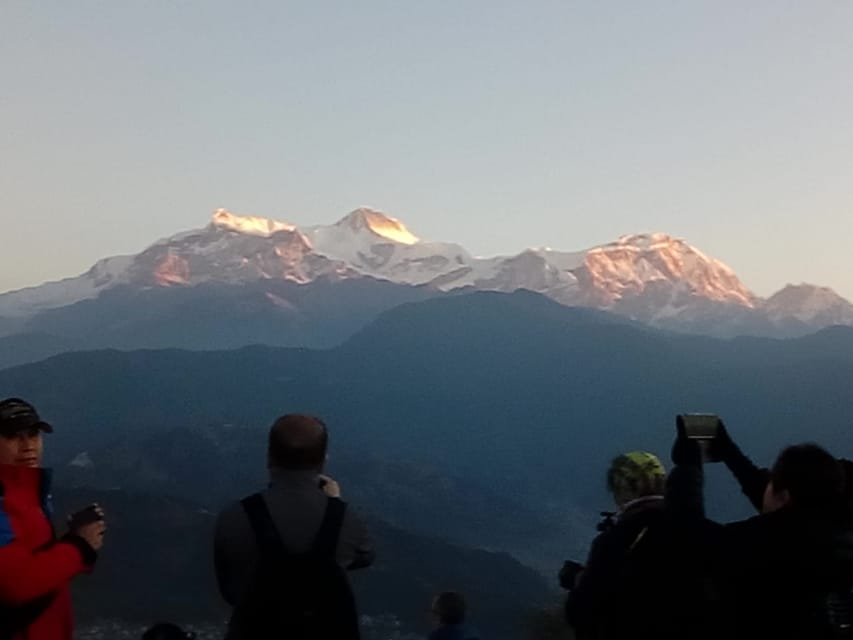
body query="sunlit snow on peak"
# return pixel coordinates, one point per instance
(380, 224)
(249, 225)
(647, 241)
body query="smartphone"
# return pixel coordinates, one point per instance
(702, 427)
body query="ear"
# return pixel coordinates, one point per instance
(774, 499)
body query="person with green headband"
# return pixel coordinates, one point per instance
(635, 479)
(631, 585)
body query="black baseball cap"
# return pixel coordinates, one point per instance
(19, 415)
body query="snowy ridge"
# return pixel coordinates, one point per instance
(632, 262)
(27, 302)
(651, 277)
(377, 223)
(382, 247)
(251, 225)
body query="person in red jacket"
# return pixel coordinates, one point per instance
(36, 567)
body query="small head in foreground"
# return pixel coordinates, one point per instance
(448, 608)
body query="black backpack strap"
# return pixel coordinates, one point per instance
(262, 523)
(326, 542)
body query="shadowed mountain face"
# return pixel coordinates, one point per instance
(163, 489)
(513, 390)
(157, 564)
(211, 466)
(209, 316)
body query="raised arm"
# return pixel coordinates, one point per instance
(685, 502)
(752, 478)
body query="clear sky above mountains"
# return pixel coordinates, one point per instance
(493, 124)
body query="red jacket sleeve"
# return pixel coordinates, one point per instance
(26, 575)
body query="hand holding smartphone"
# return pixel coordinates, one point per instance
(89, 525)
(79, 519)
(328, 486)
(703, 428)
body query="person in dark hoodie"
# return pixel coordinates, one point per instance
(36, 567)
(449, 611)
(632, 571)
(775, 573)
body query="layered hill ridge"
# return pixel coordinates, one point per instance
(653, 278)
(487, 383)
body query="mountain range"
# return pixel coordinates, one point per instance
(243, 280)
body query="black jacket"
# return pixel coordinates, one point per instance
(771, 574)
(634, 584)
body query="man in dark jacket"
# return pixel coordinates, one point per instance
(773, 573)
(36, 568)
(632, 584)
(300, 517)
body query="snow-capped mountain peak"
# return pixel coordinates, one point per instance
(809, 304)
(380, 246)
(631, 263)
(661, 243)
(379, 224)
(249, 225)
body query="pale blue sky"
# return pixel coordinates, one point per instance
(494, 124)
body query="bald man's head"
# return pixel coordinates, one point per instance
(298, 442)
